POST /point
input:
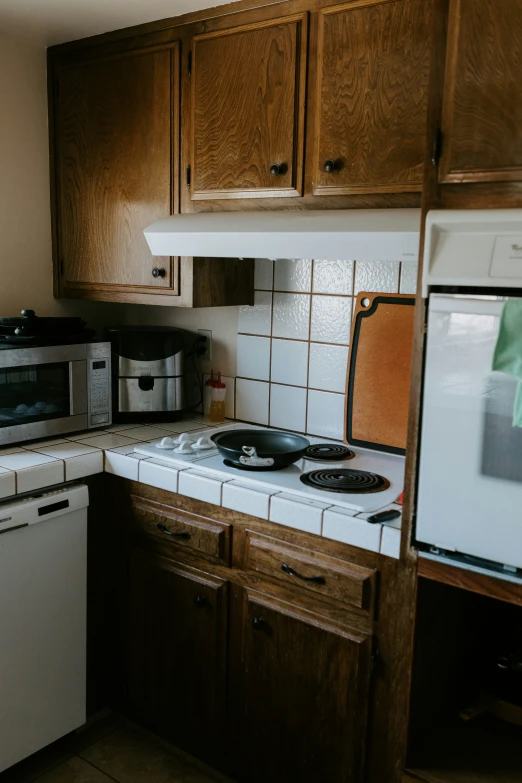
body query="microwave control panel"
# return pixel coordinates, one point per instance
(99, 379)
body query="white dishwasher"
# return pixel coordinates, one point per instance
(43, 618)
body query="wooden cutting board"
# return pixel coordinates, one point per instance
(379, 369)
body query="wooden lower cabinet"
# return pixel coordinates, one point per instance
(176, 652)
(303, 691)
(248, 680)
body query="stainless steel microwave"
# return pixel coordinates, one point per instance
(53, 390)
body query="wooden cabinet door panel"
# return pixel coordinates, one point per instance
(116, 121)
(247, 110)
(304, 695)
(371, 96)
(176, 651)
(482, 113)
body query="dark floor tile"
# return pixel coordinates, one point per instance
(74, 770)
(130, 757)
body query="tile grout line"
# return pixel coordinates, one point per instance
(109, 777)
(309, 343)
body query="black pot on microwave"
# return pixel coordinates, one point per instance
(147, 367)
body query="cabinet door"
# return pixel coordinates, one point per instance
(370, 97)
(247, 110)
(176, 651)
(482, 114)
(117, 140)
(304, 695)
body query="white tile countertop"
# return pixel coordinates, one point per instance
(41, 464)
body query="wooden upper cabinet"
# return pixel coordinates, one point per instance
(482, 109)
(247, 110)
(116, 125)
(369, 96)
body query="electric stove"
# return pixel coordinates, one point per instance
(372, 481)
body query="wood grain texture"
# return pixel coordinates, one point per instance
(117, 132)
(482, 113)
(391, 627)
(176, 652)
(468, 580)
(223, 282)
(371, 94)
(379, 371)
(208, 537)
(247, 110)
(343, 582)
(304, 695)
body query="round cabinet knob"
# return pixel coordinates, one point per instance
(331, 165)
(277, 168)
(258, 623)
(157, 272)
(201, 601)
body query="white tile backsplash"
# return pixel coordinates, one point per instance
(301, 324)
(289, 362)
(333, 277)
(291, 317)
(328, 367)
(257, 319)
(408, 278)
(381, 276)
(293, 274)
(331, 319)
(326, 414)
(253, 357)
(288, 407)
(252, 401)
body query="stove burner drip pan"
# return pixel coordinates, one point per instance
(328, 452)
(356, 482)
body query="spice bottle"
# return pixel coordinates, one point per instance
(217, 403)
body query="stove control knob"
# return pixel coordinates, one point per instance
(28, 313)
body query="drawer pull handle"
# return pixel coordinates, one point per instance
(201, 601)
(258, 623)
(165, 529)
(318, 580)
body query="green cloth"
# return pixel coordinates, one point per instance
(508, 350)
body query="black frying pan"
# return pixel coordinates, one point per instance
(260, 449)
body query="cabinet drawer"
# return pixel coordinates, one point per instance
(323, 575)
(182, 530)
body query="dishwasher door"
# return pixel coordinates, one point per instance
(43, 596)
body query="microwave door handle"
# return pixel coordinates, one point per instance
(78, 387)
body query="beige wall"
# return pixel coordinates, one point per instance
(26, 278)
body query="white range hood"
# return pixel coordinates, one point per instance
(366, 234)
